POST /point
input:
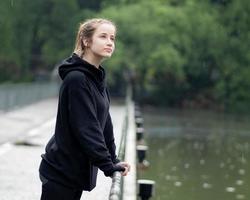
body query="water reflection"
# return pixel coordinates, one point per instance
(197, 155)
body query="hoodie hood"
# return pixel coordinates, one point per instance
(75, 63)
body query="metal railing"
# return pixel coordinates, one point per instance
(117, 180)
(17, 95)
(116, 191)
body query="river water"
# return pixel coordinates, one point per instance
(197, 155)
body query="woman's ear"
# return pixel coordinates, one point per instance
(85, 42)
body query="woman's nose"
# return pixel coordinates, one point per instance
(110, 42)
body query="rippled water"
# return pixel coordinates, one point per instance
(197, 155)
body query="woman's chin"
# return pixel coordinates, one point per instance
(107, 55)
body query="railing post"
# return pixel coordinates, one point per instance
(146, 189)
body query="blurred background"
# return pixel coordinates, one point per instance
(188, 62)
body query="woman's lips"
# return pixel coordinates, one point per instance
(108, 50)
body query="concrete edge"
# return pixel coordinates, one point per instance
(129, 184)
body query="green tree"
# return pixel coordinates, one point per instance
(233, 86)
(171, 48)
(176, 52)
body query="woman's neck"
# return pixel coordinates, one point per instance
(92, 59)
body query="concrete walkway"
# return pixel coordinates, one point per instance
(19, 122)
(30, 128)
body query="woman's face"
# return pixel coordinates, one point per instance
(102, 44)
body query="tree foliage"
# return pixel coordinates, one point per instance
(176, 52)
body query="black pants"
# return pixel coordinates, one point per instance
(54, 191)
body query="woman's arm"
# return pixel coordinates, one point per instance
(85, 125)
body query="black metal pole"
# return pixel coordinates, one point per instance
(146, 189)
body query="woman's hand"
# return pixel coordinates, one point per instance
(126, 166)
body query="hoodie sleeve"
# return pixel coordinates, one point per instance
(86, 127)
(110, 140)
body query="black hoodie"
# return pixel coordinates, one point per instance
(83, 139)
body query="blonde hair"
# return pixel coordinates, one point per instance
(86, 31)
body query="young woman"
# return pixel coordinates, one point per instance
(83, 139)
